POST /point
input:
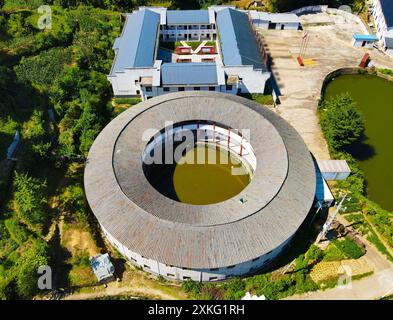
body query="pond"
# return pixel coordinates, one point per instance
(202, 176)
(374, 97)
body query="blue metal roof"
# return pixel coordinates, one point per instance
(189, 73)
(136, 46)
(238, 44)
(365, 37)
(387, 9)
(187, 17)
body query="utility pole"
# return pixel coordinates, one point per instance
(328, 224)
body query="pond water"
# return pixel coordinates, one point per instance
(374, 97)
(206, 176)
(202, 176)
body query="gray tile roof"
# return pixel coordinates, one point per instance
(279, 196)
(187, 17)
(238, 44)
(136, 47)
(189, 73)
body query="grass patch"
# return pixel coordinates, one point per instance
(388, 72)
(264, 99)
(128, 101)
(194, 44)
(349, 248)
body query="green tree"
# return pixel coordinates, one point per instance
(35, 135)
(27, 276)
(341, 121)
(30, 201)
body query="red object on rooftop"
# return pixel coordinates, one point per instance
(183, 50)
(365, 61)
(300, 61)
(208, 50)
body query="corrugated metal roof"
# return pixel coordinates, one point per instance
(333, 166)
(187, 17)
(189, 73)
(365, 37)
(136, 46)
(102, 266)
(387, 9)
(238, 44)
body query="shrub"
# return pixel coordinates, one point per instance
(190, 286)
(130, 101)
(42, 70)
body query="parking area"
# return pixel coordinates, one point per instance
(329, 48)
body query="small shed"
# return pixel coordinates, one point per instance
(103, 267)
(334, 169)
(364, 40)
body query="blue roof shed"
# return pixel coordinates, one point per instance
(365, 37)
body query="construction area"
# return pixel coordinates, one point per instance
(325, 45)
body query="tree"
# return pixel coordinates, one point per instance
(72, 201)
(35, 135)
(26, 278)
(341, 121)
(29, 200)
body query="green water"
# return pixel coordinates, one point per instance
(201, 180)
(374, 97)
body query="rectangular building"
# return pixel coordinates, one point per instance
(145, 66)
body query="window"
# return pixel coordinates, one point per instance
(231, 267)
(181, 88)
(148, 89)
(212, 88)
(166, 89)
(146, 266)
(212, 278)
(214, 269)
(197, 88)
(229, 87)
(133, 260)
(170, 275)
(256, 259)
(138, 92)
(186, 278)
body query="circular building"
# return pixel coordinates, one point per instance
(203, 221)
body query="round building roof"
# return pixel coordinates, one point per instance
(277, 200)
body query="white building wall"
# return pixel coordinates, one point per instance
(380, 24)
(252, 81)
(180, 274)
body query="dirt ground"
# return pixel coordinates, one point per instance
(329, 49)
(134, 283)
(77, 240)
